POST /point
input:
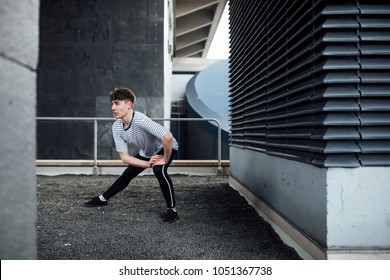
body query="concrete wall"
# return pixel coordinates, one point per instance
(86, 49)
(18, 63)
(358, 208)
(333, 213)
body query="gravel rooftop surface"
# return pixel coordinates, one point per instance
(216, 222)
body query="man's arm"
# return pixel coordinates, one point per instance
(167, 142)
(133, 161)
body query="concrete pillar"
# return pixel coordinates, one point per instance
(19, 25)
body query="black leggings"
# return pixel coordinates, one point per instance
(160, 171)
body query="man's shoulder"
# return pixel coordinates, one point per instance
(140, 117)
(139, 114)
(117, 125)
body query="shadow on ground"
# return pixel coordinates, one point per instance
(216, 223)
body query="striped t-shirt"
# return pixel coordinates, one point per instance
(144, 133)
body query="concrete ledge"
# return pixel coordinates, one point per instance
(105, 167)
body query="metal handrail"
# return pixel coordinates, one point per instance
(96, 119)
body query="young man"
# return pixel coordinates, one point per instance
(157, 149)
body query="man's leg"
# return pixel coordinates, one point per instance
(166, 185)
(160, 171)
(123, 181)
(120, 184)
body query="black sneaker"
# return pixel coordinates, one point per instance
(170, 216)
(95, 202)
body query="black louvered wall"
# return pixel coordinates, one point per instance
(310, 80)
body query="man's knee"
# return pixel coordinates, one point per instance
(157, 169)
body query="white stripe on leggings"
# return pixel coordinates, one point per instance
(169, 186)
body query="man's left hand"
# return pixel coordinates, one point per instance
(157, 160)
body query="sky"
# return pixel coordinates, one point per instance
(219, 48)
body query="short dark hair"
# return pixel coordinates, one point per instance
(122, 94)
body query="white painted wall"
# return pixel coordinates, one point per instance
(358, 207)
(168, 52)
(179, 84)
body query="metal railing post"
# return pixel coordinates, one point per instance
(95, 168)
(219, 149)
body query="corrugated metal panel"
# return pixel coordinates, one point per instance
(310, 80)
(375, 88)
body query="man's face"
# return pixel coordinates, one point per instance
(120, 108)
